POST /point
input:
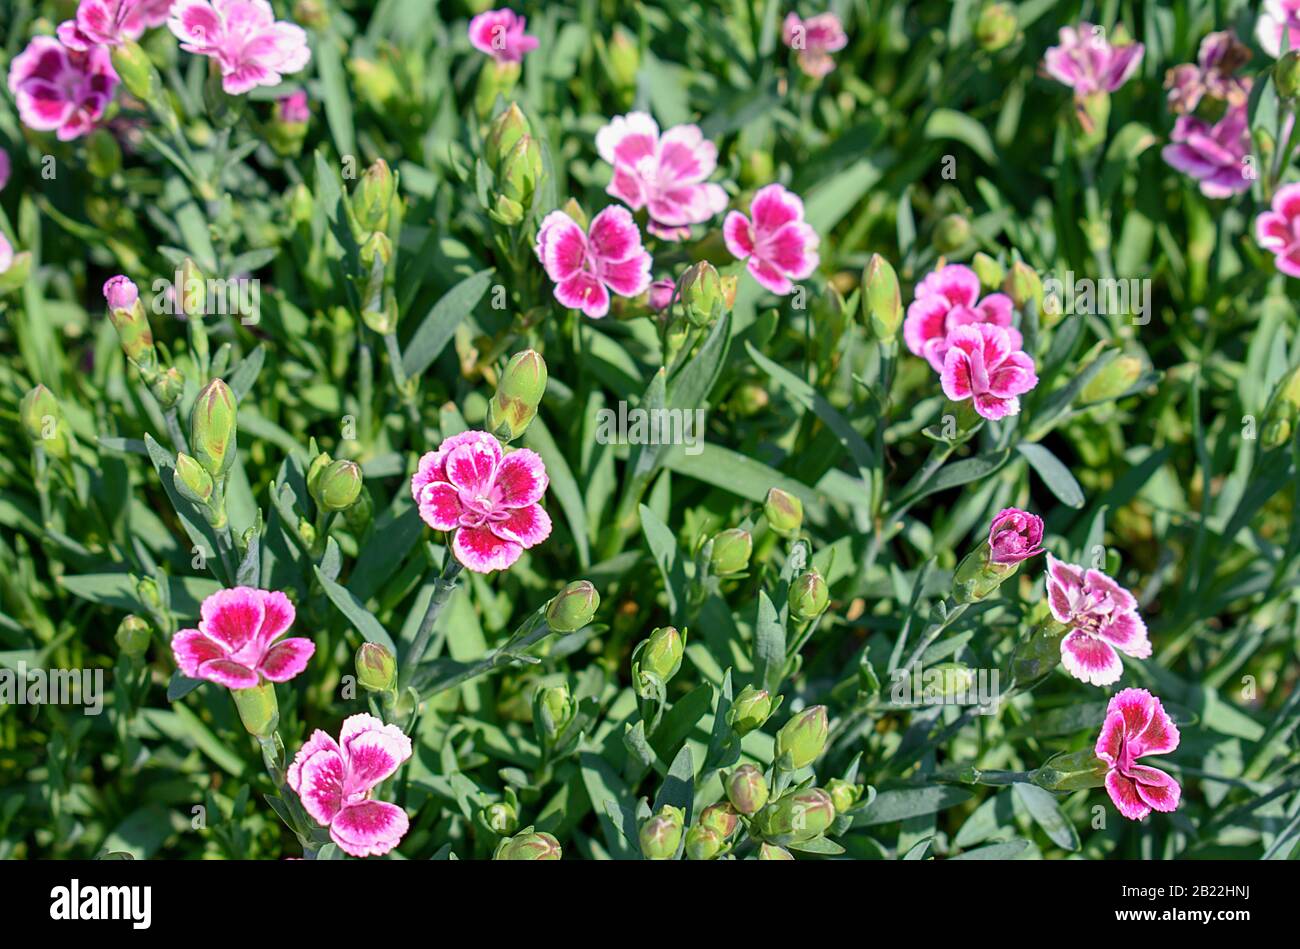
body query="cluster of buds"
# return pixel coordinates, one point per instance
(43, 421)
(528, 844)
(376, 213)
(656, 660)
(1283, 411)
(514, 157)
(126, 312)
(201, 477)
(519, 393)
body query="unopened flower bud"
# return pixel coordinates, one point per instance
(573, 607)
(771, 852)
(213, 428)
(42, 420)
(990, 272)
(731, 552)
(809, 596)
(1114, 379)
(662, 834)
(803, 737)
(703, 843)
(506, 129)
(1022, 285)
(660, 295)
(750, 710)
(133, 636)
(796, 817)
(258, 709)
(996, 27)
(520, 171)
(103, 154)
(500, 817)
(376, 668)
(844, 794)
(784, 512)
(519, 393)
(951, 234)
(747, 789)
(1071, 771)
(495, 80)
(192, 294)
(1286, 74)
(132, 325)
(1283, 410)
(378, 246)
(553, 709)
(661, 654)
(373, 197)
(288, 126)
(978, 575)
(721, 818)
(136, 71)
(701, 293)
(882, 304)
(168, 387)
(624, 59)
(339, 485)
(529, 845)
(192, 480)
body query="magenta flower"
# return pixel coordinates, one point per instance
(1015, 535)
(61, 90)
(251, 47)
(661, 294)
(5, 168)
(120, 293)
(1215, 155)
(1278, 28)
(814, 39)
(779, 245)
(1102, 617)
(293, 108)
(585, 267)
(500, 34)
(490, 499)
(235, 644)
(664, 174)
(111, 22)
(948, 298)
(1087, 63)
(1137, 725)
(1278, 230)
(334, 781)
(983, 364)
(1213, 74)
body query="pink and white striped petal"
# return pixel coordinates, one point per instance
(191, 649)
(286, 659)
(369, 828)
(482, 551)
(525, 526)
(522, 478)
(317, 776)
(440, 506)
(1090, 659)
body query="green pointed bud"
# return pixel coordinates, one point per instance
(703, 843)
(770, 852)
(1091, 117)
(701, 293)
(137, 72)
(553, 709)
(721, 818)
(882, 303)
(168, 387)
(528, 846)
(990, 272)
(301, 204)
(307, 532)
(495, 80)
(844, 794)
(132, 637)
(1038, 653)
(803, 737)
(784, 512)
(977, 575)
(1022, 285)
(315, 470)
(504, 132)
(1114, 379)
(374, 196)
(500, 817)
(146, 591)
(376, 668)
(519, 393)
(747, 789)
(213, 428)
(624, 59)
(796, 817)
(43, 422)
(809, 596)
(996, 27)
(945, 680)
(662, 653)
(750, 710)
(103, 154)
(506, 211)
(339, 485)
(258, 709)
(191, 480)
(662, 834)
(520, 171)
(19, 269)
(573, 607)
(1286, 74)
(1071, 771)
(731, 552)
(952, 233)
(1282, 411)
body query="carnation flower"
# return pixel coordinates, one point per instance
(500, 34)
(1278, 28)
(814, 39)
(1087, 63)
(1215, 155)
(235, 643)
(947, 298)
(983, 364)
(61, 90)
(780, 246)
(250, 46)
(1102, 618)
(1218, 59)
(586, 266)
(1015, 535)
(293, 107)
(489, 498)
(1278, 230)
(1137, 725)
(111, 22)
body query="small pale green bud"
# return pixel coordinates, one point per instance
(258, 709)
(1114, 379)
(1022, 285)
(146, 591)
(133, 636)
(662, 834)
(731, 552)
(996, 27)
(374, 196)
(803, 737)
(1091, 117)
(191, 480)
(573, 607)
(192, 294)
(721, 818)
(951, 234)
(136, 71)
(750, 710)
(882, 304)
(500, 817)
(662, 652)
(519, 393)
(796, 817)
(43, 422)
(376, 668)
(946, 679)
(494, 80)
(771, 852)
(379, 247)
(1071, 771)
(978, 575)
(1283, 410)
(784, 512)
(553, 709)
(506, 211)
(990, 272)
(1286, 74)
(703, 843)
(213, 428)
(624, 59)
(506, 129)
(701, 293)
(809, 596)
(168, 387)
(528, 845)
(520, 171)
(339, 485)
(747, 789)
(844, 794)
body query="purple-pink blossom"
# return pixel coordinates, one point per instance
(1102, 618)
(500, 34)
(1137, 725)
(983, 364)
(661, 294)
(1213, 74)
(587, 266)
(120, 292)
(662, 173)
(335, 780)
(1278, 27)
(250, 46)
(61, 90)
(5, 168)
(1086, 62)
(1015, 535)
(779, 245)
(293, 107)
(1278, 230)
(111, 22)
(1215, 155)
(946, 299)
(489, 498)
(814, 39)
(235, 642)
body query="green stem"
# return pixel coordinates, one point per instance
(442, 588)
